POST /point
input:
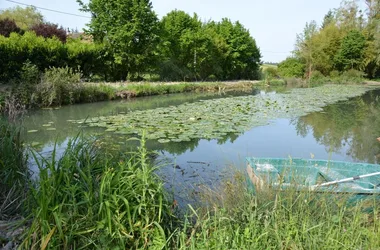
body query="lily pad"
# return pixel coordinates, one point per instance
(211, 119)
(32, 131)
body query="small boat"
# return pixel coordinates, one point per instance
(314, 175)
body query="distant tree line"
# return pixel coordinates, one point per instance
(347, 40)
(126, 40)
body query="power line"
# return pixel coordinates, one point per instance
(57, 11)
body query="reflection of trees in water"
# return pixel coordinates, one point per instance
(354, 123)
(178, 148)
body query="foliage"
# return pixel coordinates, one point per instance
(234, 217)
(17, 49)
(291, 67)
(89, 198)
(351, 53)
(346, 40)
(317, 79)
(13, 170)
(25, 18)
(192, 50)
(129, 30)
(58, 86)
(7, 26)
(132, 43)
(49, 30)
(352, 76)
(242, 54)
(306, 46)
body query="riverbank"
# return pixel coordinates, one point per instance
(55, 94)
(52, 95)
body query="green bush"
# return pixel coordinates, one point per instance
(58, 86)
(334, 74)
(291, 67)
(352, 76)
(317, 78)
(270, 72)
(17, 49)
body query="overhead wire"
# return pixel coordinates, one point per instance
(42, 8)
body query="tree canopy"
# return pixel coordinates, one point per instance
(348, 39)
(25, 18)
(128, 40)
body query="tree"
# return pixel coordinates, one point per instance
(7, 26)
(327, 43)
(351, 53)
(242, 56)
(328, 19)
(25, 18)
(180, 39)
(349, 16)
(306, 46)
(49, 30)
(129, 29)
(291, 67)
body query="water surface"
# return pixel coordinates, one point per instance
(346, 131)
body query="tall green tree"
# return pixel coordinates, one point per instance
(180, 38)
(242, 56)
(352, 51)
(128, 28)
(306, 46)
(25, 18)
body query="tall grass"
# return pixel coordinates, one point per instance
(91, 199)
(234, 218)
(14, 174)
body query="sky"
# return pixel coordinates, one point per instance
(272, 23)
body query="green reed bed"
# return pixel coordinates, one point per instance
(13, 170)
(89, 199)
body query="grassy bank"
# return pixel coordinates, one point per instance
(89, 198)
(62, 86)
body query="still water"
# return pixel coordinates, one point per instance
(346, 131)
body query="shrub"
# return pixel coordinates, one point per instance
(353, 76)
(30, 74)
(8, 26)
(270, 72)
(49, 30)
(334, 74)
(317, 78)
(58, 86)
(291, 67)
(16, 49)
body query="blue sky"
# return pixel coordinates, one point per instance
(273, 23)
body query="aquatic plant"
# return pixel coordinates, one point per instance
(213, 119)
(90, 199)
(14, 174)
